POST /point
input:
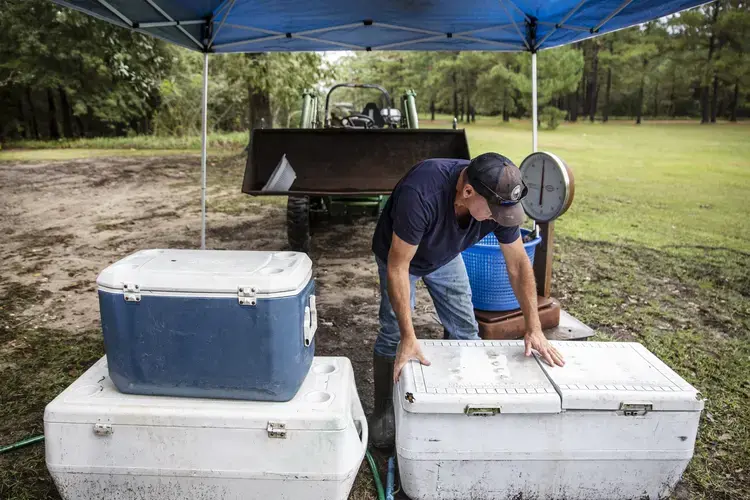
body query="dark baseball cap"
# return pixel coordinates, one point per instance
(499, 182)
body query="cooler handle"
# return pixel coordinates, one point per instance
(358, 417)
(310, 322)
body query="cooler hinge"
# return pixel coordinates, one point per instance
(635, 409)
(131, 292)
(246, 295)
(276, 430)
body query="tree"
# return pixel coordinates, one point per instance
(51, 57)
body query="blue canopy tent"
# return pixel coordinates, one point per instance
(223, 26)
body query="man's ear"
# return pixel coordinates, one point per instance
(468, 190)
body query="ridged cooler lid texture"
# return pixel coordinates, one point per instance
(209, 271)
(496, 376)
(606, 375)
(476, 376)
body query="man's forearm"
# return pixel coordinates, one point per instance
(524, 285)
(399, 291)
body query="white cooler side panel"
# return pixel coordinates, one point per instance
(581, 455)
(146, 487)
(211, 454)
(548, 480)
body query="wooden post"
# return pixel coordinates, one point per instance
(543, 259)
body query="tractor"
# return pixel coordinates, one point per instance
(347, 161)
(304, 211)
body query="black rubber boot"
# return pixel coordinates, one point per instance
(382, 423)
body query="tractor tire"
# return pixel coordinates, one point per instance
(298, 223)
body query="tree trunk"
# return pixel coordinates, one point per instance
(584, 95)
(32, 111)
(594, 82)
(656, 100)
(574, 106)
(705, 111)
(705, 114)
(260, 108)
(67, 113)
(607, 93)
(639, 110)
(455, 96)
(506, 115)
(735, 100)
(672, 105)
(432, 109)
(54, 128)
(715, 99)
(81, 127)
(259, 102)
(26, 133)
(461, 108)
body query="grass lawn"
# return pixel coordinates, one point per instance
(220, 140)
(655, 248)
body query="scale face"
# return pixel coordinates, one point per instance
(551, 186)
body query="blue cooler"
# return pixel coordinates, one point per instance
(209, 323)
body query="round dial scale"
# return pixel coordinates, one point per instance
(550, 184)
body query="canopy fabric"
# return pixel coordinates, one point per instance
(324, 25)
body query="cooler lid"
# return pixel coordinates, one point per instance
(323, 402)
(476, 377)
(209, 271)
(608, 375)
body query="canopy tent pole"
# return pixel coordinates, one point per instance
(543, 257)
(534, 120)
(204, 146)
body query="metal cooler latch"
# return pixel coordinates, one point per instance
(310, 323)
(474, 411)
(635, 409)
(102, 429)
(131, 292)
(246, 295)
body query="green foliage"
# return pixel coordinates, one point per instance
(110, 77)
(552, 116)
(66, 74)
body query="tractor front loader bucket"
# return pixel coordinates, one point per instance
(345, 161)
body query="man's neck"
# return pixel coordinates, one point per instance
(463, 215)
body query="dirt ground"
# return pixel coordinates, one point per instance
(63, 222)
(66, 221)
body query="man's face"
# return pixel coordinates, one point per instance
(476, 203)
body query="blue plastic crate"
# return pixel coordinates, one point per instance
(488, 275)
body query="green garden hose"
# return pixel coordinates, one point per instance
(375, 475)
(21, 444)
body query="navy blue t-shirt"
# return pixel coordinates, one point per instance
(420, 211)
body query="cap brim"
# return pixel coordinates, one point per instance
(508, 215)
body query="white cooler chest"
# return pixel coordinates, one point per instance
(483, 421)
(102, 444)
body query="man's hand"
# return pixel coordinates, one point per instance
(535, 339)
(408, 349)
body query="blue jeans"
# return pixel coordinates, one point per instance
(450, 292)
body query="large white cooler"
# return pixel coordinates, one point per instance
(483, 421)
(103, 444)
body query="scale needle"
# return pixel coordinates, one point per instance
(541, 187)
